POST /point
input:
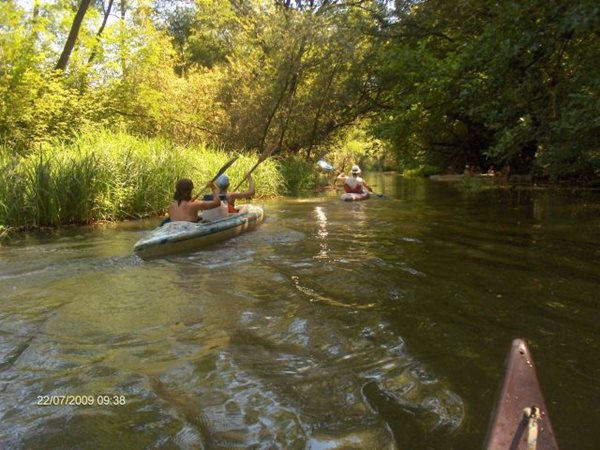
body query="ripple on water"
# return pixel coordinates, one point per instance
(256, 343)
(294, 352)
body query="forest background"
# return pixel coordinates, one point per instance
(105, 103)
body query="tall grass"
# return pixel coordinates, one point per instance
(110, 176)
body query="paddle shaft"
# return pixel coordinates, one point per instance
(264, 155)
(219, 173)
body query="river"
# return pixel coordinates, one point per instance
(381, 324)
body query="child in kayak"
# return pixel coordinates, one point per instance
(184, 208)
(354, 184)
(227, 199)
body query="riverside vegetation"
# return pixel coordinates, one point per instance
(108, 176)
(416, 86)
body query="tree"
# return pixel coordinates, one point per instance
(63, 60)
(481, 82)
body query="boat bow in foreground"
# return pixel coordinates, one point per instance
(520, 420)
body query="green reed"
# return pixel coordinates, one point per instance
(110, 176)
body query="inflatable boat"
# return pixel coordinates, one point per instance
(347, 197)
(178, 237)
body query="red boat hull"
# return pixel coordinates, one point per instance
(509, 428)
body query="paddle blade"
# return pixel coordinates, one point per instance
(324, 165)
(223, 169)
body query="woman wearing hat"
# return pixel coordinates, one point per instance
(227, 205)
(354, 184)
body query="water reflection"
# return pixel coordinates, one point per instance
(377, 324)
(322, 232)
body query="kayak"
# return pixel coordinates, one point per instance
(177, 237)
(348, 197)
(520, 419)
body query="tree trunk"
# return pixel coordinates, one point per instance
(99, 33)
(324, 97)
(72, 38)
(289, 80)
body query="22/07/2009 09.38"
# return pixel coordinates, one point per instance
(81, 400)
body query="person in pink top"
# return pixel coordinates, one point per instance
(354, 184)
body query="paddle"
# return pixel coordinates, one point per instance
(264, 155)
(219, 173)
(324, 165)
(378, 195)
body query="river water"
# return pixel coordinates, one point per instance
(371, 325)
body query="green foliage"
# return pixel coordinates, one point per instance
(495, 82)
(422, 170)
(299, 175)
(294, 77)
(107, 176)
(355, 145)
(473, 82)
(225, 73)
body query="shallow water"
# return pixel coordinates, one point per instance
(380, 324)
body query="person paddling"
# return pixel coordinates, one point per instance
(354, 184)
(184, 208)
(227, 199)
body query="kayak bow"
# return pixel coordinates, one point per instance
(520, 420)
(352, 197)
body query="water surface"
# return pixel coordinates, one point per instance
(380, 324)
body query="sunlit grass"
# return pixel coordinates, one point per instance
(111, 176)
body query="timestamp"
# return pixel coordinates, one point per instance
(81, 400)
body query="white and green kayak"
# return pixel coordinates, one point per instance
(178, 237)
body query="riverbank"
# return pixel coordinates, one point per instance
(516, 182)
(110, 177)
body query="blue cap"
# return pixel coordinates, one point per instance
(222, 181)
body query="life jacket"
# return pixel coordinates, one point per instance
(353, 185)
(230, 207)
(220, 212)
(217, 213)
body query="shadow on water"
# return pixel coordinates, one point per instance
(380, 324)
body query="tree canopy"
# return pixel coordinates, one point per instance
(439, 83)
(487, 82)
